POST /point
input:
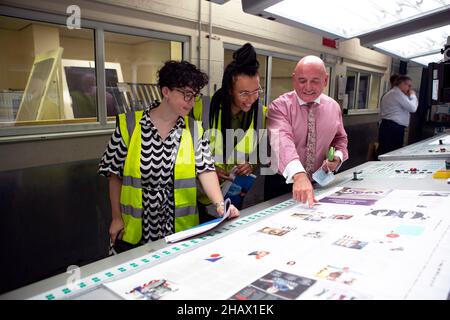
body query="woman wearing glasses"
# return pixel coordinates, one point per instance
(153, 159)
(237, 106)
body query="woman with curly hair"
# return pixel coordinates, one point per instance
(153, 159)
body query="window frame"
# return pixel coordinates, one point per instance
(372, 75)
(101, 125)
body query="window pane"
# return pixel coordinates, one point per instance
(326, 90)
(281, 81)
(350, 88)
(227, 57)
(35, 85)
(374, 92)
(363, 88)
(132, 64)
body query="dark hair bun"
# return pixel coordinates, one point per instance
(245, 57)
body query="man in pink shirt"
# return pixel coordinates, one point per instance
(301, 122)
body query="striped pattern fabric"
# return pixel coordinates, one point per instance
(157, 168)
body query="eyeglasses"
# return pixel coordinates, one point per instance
(188, 96)
(248, 94)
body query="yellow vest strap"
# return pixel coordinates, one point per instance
(185, 183)
(130, 118)
(185, 211)
(129, 210)
(193, 128)
(131, 181)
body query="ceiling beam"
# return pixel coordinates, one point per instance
(218, 1)
(417, 25)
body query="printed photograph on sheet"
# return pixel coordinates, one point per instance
(275, 285)
(253, 293)
(152, 290)
(315, 234)
(316, 216)
(259, 254)
(350, 242)
(323, 290)
(276, 231)
(356, 196)
(339, 274)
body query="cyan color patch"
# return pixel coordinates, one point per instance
(409, 230)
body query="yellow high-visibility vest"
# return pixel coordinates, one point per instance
(185, 189)
(245, 146)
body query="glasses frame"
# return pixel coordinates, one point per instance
(188, 96)
(244, 95)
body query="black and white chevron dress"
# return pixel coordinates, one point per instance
(157, 164)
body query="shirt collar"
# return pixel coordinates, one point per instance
(145, 121)
(302, 103)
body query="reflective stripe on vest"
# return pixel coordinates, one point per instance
(185, 191)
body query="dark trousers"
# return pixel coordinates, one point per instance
(275, 186)
(390, 136)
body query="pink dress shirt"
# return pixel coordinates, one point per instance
(286, 115)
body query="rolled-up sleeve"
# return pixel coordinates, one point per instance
(113, 158)
(407, 103)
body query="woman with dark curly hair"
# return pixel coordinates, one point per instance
(237, 106)
(153, 159)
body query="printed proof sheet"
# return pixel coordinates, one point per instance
(354, 244)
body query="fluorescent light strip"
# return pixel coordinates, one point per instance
(350, 18)
(417, 44)
(425, 60)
